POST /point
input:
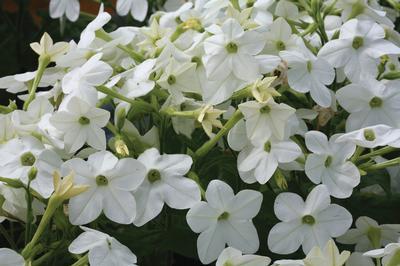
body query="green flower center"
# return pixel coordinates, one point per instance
(171, 80)
(328, 161)
(267, 146)
(83, 120)
(369, 135)
(308, 219)
(280, 46)
(357, 42)
(309, 66)
(196, 60)
(27, 159)
(101, 180)
(223, 216)
(375, 102)
(265, 109)
(231, 48)
(250, 3)
(153, 175)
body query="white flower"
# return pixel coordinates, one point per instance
(9, 257)
(18, 156)
(233, 257)
(371, 137)
(308, 73)
(328, 256)
(390, 254)
(264, 120)
(369, 234)
(310, 223)
(225, 219)
(357, 259)
(88, 35)
(329, 164)
(258, 163)
(46, 48)
(164, 182)
(370, 103)
(138, 83)
(232, 50)
(69, 8)
(82, 81)
(360, 43)
(280, 37)
(81, 123)
(138, 8)
(110, 184)
(104, 250)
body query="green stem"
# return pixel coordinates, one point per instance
(235, 4)
(82, 261)
(391, 75)
(29, 214)
(112, 128)
(383, 165)
(52, 206)
(44, 61)
(12, 182)
(357, 153)
(206, 147)
(381, 151)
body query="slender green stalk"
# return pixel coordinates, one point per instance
(206, 147)
(381, 151)
(357, 153)
(44, 61)
(383, 165)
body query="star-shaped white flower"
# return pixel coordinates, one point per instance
(370, 103)
(225, 219)
(307, 224)
(138, 8)
(164, 183)
(264, 120)
(360, 43)
(138, 82)
(81, 123)
(88, 35)
(329, 165)
(232, 50)
(18, 156)
(259, 163)
(373, 136)
(368, 234)
(309, 73)
(110, 184)
(104, 250)
(82, 81)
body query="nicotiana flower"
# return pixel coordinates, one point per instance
(81, 123)
(9, 257)
(164, 182)
(371, 137)
(103, 249)
(232, 50)
(357, 259)
(69, 8)
(368, 234)
(309, 224)
(370, 103)
(264, 120)
(82, 81)
(309, 73)
(47, 48)
(233, 257)
(88, 35)
(390, 254)
(225, 219)
(360, 43)
(138, 83)
(329, 164)
(27, 159)
(137, 8)
(328, 256)
(258, 163)
(110, 184)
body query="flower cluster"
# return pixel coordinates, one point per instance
(255, 126)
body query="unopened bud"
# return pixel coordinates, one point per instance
(32, 173)
(121, 116)
(121, 148)
(280, 180)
